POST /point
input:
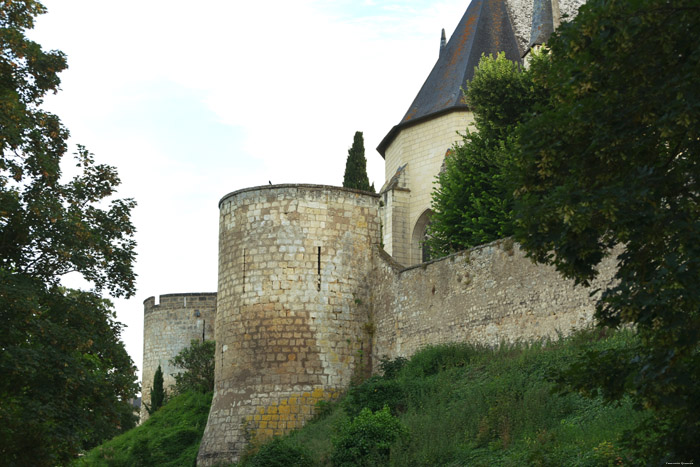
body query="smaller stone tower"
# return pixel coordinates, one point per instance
(168, 328)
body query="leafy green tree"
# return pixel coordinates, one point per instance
(473, 201)
(65, 378)
(197, 361)
(614, 160)
(356, 166)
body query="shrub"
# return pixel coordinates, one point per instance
(436, 358)
(198, 362)
(392, 368)
(279, 452)
(367, 439)
(374, 394)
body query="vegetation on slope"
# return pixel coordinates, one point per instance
(464, 405)
(596, 146)
(170, 437)
(172, 434)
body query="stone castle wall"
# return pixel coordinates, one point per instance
(168, 328)
(293, 261)
(487, 295)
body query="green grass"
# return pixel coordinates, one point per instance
(460, 404)
(466, 405)
(170, 437)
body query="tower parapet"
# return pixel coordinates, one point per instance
(169, 327)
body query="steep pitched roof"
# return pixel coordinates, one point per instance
(542, 22)
(485, 28)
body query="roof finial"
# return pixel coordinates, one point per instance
(443, 41)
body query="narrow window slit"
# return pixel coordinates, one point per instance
(243, 270)
(318, 284)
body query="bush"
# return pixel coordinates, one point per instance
(367, 439)
(374, 394)
(436, 358)
(279, 452)
(198, 362)
(392, 368)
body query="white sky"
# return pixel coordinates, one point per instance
(193, 100)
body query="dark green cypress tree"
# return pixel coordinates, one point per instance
(356, 166)
(157, 392)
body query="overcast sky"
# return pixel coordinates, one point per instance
(193, 100)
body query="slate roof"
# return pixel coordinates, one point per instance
(485, 28)
(542, 22)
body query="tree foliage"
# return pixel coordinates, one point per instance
(614, 159)
(197, 361)
(473, 201)
(158, 395)
(65, 378)
(356, 166)
(366, 440)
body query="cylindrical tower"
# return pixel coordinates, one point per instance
(290, 318)
(168, 328)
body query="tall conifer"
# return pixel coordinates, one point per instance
(356, 166)
(157, 392)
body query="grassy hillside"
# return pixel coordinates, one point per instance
(448, 405)
(170, 437)
(463, 405)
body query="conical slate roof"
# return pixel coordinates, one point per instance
(485, 28)
(542, 22)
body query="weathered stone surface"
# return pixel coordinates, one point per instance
(293, 261)
(420, 150)
(487, 295)
(168, 328)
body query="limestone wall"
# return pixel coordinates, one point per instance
(422, 147)
(293, 261)
(487, 295)
(168, 328)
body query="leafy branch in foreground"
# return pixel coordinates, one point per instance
(65, 378)
(614, 160)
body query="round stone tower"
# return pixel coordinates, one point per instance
(291, 316)
(168, 328)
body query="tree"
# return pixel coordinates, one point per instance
(612, 160)
(65, 378)
(473, 201)
(356, 166)
(197, 361)
(157, 392)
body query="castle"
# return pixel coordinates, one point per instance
(317, 283)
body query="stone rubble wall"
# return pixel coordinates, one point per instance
(293, 261)
(168, 328)
(486, 295)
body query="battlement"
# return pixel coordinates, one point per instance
(179, 300)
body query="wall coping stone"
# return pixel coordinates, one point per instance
(295, 186)
(468, 251)
(187, 294)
